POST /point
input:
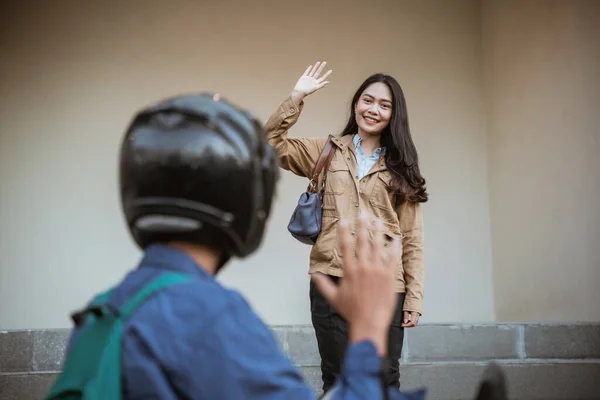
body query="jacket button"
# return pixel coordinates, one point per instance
(353, 232)
(355, 204)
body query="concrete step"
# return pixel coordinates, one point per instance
(526, 381)
(450, 381)
(542, 361)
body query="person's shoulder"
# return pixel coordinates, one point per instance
(192, 303)
(319, 142)
(191, 309)
(179, 322)
(175, 320)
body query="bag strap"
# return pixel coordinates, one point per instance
(100, 305)
(163, 281)
(322, 163)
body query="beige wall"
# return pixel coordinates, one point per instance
(543, 96)
(72, 74)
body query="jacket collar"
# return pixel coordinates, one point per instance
(347, 143)
(344, 142)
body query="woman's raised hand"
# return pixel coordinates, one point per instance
(310, 81)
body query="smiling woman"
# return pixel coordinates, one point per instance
(374, 169)
(374, 109)
(379, 115)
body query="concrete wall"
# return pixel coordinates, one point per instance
(72, 74)
(542, 69)
(502, 99)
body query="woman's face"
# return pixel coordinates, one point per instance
(374, 109)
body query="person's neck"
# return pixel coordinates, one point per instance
(205, 257)
(369, 143)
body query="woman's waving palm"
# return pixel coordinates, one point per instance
(310, 81)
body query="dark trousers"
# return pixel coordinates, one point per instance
(332, 338)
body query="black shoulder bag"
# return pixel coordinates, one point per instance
(305, 224)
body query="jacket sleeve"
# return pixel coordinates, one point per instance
(296, 155)
(411, 226)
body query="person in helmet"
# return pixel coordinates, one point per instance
(197, 183)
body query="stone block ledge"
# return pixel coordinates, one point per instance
(542, 360)
(43, 350)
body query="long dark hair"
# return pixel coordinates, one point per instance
(401, 155)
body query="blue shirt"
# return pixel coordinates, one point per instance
(364, 162)
(199, 340)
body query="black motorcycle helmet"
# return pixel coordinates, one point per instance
(196, 168)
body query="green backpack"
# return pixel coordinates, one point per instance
(92, 369)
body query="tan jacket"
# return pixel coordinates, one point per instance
(345, 196)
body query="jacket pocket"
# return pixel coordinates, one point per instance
(382, 200)
(382, 195)
(389, 235)
(336, 185)
(338, 176)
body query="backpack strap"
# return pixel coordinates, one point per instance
(92, 368)
(100, 305)
(163, 281)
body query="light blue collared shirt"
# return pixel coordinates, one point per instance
(365, 163)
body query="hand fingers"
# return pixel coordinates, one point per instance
(320, 69)
(363, 250)
(314, 68)
(345, 243)
(307, 70)
(326, 287)
(325, 76)
(406, 317)
(323, 84)
(414, 317)
(411, 319)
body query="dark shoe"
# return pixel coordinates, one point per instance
(493, 384)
